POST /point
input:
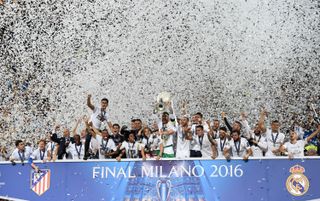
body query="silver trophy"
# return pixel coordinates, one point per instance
(163, 100)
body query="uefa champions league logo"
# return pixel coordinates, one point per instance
(163, 189)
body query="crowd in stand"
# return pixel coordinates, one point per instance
(172, 137)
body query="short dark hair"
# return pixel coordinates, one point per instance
(165, 113)
(76, 135)
(18, 142)
(105, 99)
(238, 122)
(275, 121)
(199, 126)
(223, 128)
(200, 114)
(42, 140)
(236, 131)
(138, 120)
(116, 125)
(216, 120)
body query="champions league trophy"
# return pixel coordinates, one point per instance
(163, 189)
(163, 102)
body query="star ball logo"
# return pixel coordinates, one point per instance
(297, 183)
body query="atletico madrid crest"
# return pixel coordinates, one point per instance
(40, 181)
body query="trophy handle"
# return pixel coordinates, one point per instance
(168, 182)
(158, 189)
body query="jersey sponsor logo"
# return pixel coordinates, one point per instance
(297, 183)
(40, 181)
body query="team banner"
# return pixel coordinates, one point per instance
(163, 180)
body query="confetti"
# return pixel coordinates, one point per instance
(228, 56)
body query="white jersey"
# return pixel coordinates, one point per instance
(19, 156)
(195, 143)
(50, 147)
(201, 144)
(155, 141)
(274, 141)
(257, 151)
(95, 143)
(216, 134)
(132, 149)
(39, 154)
(98, 117)
(106, 146)
(152, 143)
(206, 148)
(297, 149)
(183, 145)
(167, 140)
(221, 144)
(239, 149)
(76, 151)
(28, 150)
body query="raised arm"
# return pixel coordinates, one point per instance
(110, 125)
(161, 151)
(313, 134)
(54, 136)
(183, 108)
(210, 134)
(245, 124)
(248, 153)
(74, 130)
(88, 128)
(89, 104)
(261, 122)
(223, 115)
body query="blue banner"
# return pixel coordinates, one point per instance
(257, 179)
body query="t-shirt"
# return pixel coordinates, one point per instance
(274, 140)
(132, 149)
(19, 156)
(206, 149)
(239, 148)
(76, 151)
(297, 149)
(117, 138)
(98, 117)
(183, 145)
(147, 142)
(167, 140)
(39, 154)
(221, 144)
(257, 151)
(50, 148)
(155, 142)
(106, 146)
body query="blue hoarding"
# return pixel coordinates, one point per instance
(257, 179)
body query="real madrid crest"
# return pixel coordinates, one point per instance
(297, 183)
